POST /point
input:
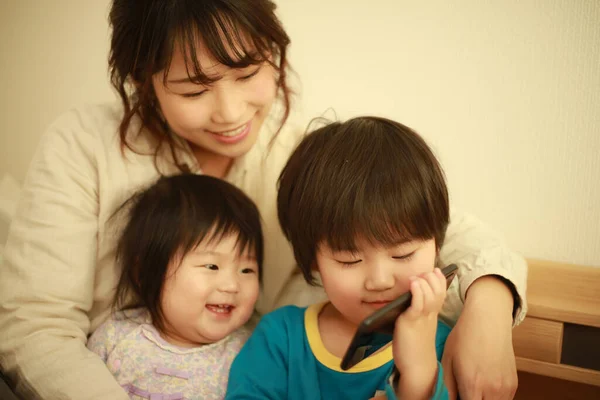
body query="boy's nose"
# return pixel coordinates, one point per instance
(379, 279)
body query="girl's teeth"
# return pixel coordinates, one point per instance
(221, 309)
(233, 133)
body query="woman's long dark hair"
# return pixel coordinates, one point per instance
(237, 33)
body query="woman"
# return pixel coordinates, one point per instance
(204, 89)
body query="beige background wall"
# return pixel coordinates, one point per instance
(507, 92)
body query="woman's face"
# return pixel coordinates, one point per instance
(218, 120)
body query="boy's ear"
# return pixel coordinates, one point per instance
(314, 266)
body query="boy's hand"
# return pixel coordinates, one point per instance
(414, 336)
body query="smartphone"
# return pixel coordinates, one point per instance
(383, 321)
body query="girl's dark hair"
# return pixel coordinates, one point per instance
(168, 220)
(238, 33)
(368, 178)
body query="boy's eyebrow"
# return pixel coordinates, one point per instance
(402, 242)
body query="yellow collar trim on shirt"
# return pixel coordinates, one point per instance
(311, 323)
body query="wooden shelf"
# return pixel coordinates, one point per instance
(559, 371)
(558, 294)
(564, 292)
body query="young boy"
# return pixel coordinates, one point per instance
(365, 205)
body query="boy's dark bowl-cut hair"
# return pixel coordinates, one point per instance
(369, 178)
(168, 220)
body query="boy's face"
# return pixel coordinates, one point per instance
(357, 284)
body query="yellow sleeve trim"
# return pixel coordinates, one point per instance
(311, 323)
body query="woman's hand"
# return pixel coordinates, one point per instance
(478, 358)
(414, 336)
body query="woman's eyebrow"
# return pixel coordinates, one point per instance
(195, 79)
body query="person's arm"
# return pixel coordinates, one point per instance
(47, 278)
(105, 337)
(439, 392)
(479, 358)
(478, 251)
(419, 339)
(260, 370)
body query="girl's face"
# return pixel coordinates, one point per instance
(222, 120)
(210, 294)
(357, 284)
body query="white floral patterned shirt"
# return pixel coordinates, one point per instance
(148, 367)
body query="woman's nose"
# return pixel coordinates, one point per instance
(229, 107)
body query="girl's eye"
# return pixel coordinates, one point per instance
(405, 257)
(247, 77)
(248, 271)
(212, 267)
(195, 94)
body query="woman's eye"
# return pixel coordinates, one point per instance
(247, 77)
(405, 257)
(195, 94)
(212, 267)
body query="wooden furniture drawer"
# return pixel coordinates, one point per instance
(538, 339)
(560, 338)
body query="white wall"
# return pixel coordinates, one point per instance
(507, 92)
(52, 56)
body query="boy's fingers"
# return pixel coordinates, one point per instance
(416, 305)
(434, 282)
(429, 298)
(442, 279)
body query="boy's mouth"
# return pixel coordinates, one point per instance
(377, 304)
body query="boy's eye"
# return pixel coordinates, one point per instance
(212, 267)
(348, 263)
(404, 257)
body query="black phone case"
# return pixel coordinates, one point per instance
(383, 321)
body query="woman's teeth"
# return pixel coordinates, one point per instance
(232, 133)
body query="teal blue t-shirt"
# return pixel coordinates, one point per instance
(285, 359)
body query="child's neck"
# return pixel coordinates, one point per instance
(335, 330)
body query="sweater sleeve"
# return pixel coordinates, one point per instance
(478, 251)
(47, 278)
